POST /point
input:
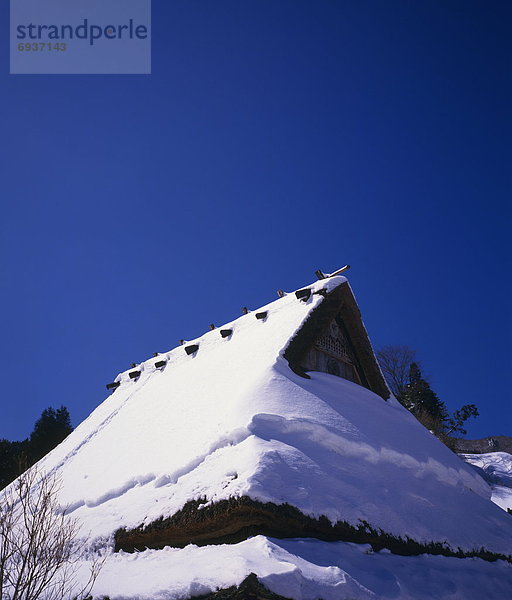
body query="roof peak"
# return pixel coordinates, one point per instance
(159, 360)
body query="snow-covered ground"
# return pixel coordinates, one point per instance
(496, 469)
(303, 570)
(233, 420)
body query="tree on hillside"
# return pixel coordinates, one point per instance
(6, 463)
(14, 460)
(395, 362)
(456, 421)
(49, 431)
(423, 402)
(38, 543)
(404, 377)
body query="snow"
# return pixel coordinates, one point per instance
(496, 469)
(233, 420)
(302, 569)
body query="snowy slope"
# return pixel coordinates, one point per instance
(233, 420)
(496, 469)
(303, 570)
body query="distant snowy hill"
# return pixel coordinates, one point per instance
(496, 469)
(224, 418)
(495, 443)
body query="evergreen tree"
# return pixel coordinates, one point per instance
(456, 421)
(405, 380)
(6, 463)
(14, 460)
(423, 402)
(49, 431)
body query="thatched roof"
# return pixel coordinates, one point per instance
(339, 302)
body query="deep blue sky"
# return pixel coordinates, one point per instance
(273, 138)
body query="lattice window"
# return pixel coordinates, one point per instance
(334, 343)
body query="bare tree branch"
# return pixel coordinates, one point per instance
(39, 549)
(395, 362)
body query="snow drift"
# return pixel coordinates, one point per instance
(496, 469)
(230, 420)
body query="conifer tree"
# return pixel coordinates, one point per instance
(460, 416)
(14, 460)
(49, 431)
(423, 402)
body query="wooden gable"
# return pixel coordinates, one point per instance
(332, 352)
(334, 340)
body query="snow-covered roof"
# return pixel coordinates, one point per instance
(310, 307)
(231, 419)
(231, 415)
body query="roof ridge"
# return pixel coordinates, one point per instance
(160, 360)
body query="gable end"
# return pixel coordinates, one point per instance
(333, 339)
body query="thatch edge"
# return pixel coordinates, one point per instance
(250, 589)
(234, 520)
(341, 300)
